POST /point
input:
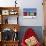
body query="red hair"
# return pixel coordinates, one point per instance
(29, 33)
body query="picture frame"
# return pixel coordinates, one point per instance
(12, 12)
(5, 12)
(29, 12)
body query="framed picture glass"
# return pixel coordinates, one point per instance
(5, 12)
(29, 12)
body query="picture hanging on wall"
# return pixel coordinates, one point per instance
(29, 12)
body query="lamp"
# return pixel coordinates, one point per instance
(15, 3)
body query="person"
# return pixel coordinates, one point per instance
(30, 38)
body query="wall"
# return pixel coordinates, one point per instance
(38, 21)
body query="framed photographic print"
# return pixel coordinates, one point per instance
(29, 12)
(5, 12)
(13, 12)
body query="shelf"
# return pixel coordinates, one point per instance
(10, 26)
(10, 19)
(5, 12)
(7, 16)
(29, 17)
(11, 15)
(4, 8)
(9, 10)
(11, 41)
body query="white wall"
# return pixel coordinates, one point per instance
(38, 21)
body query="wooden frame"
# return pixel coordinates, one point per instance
(5, 12)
